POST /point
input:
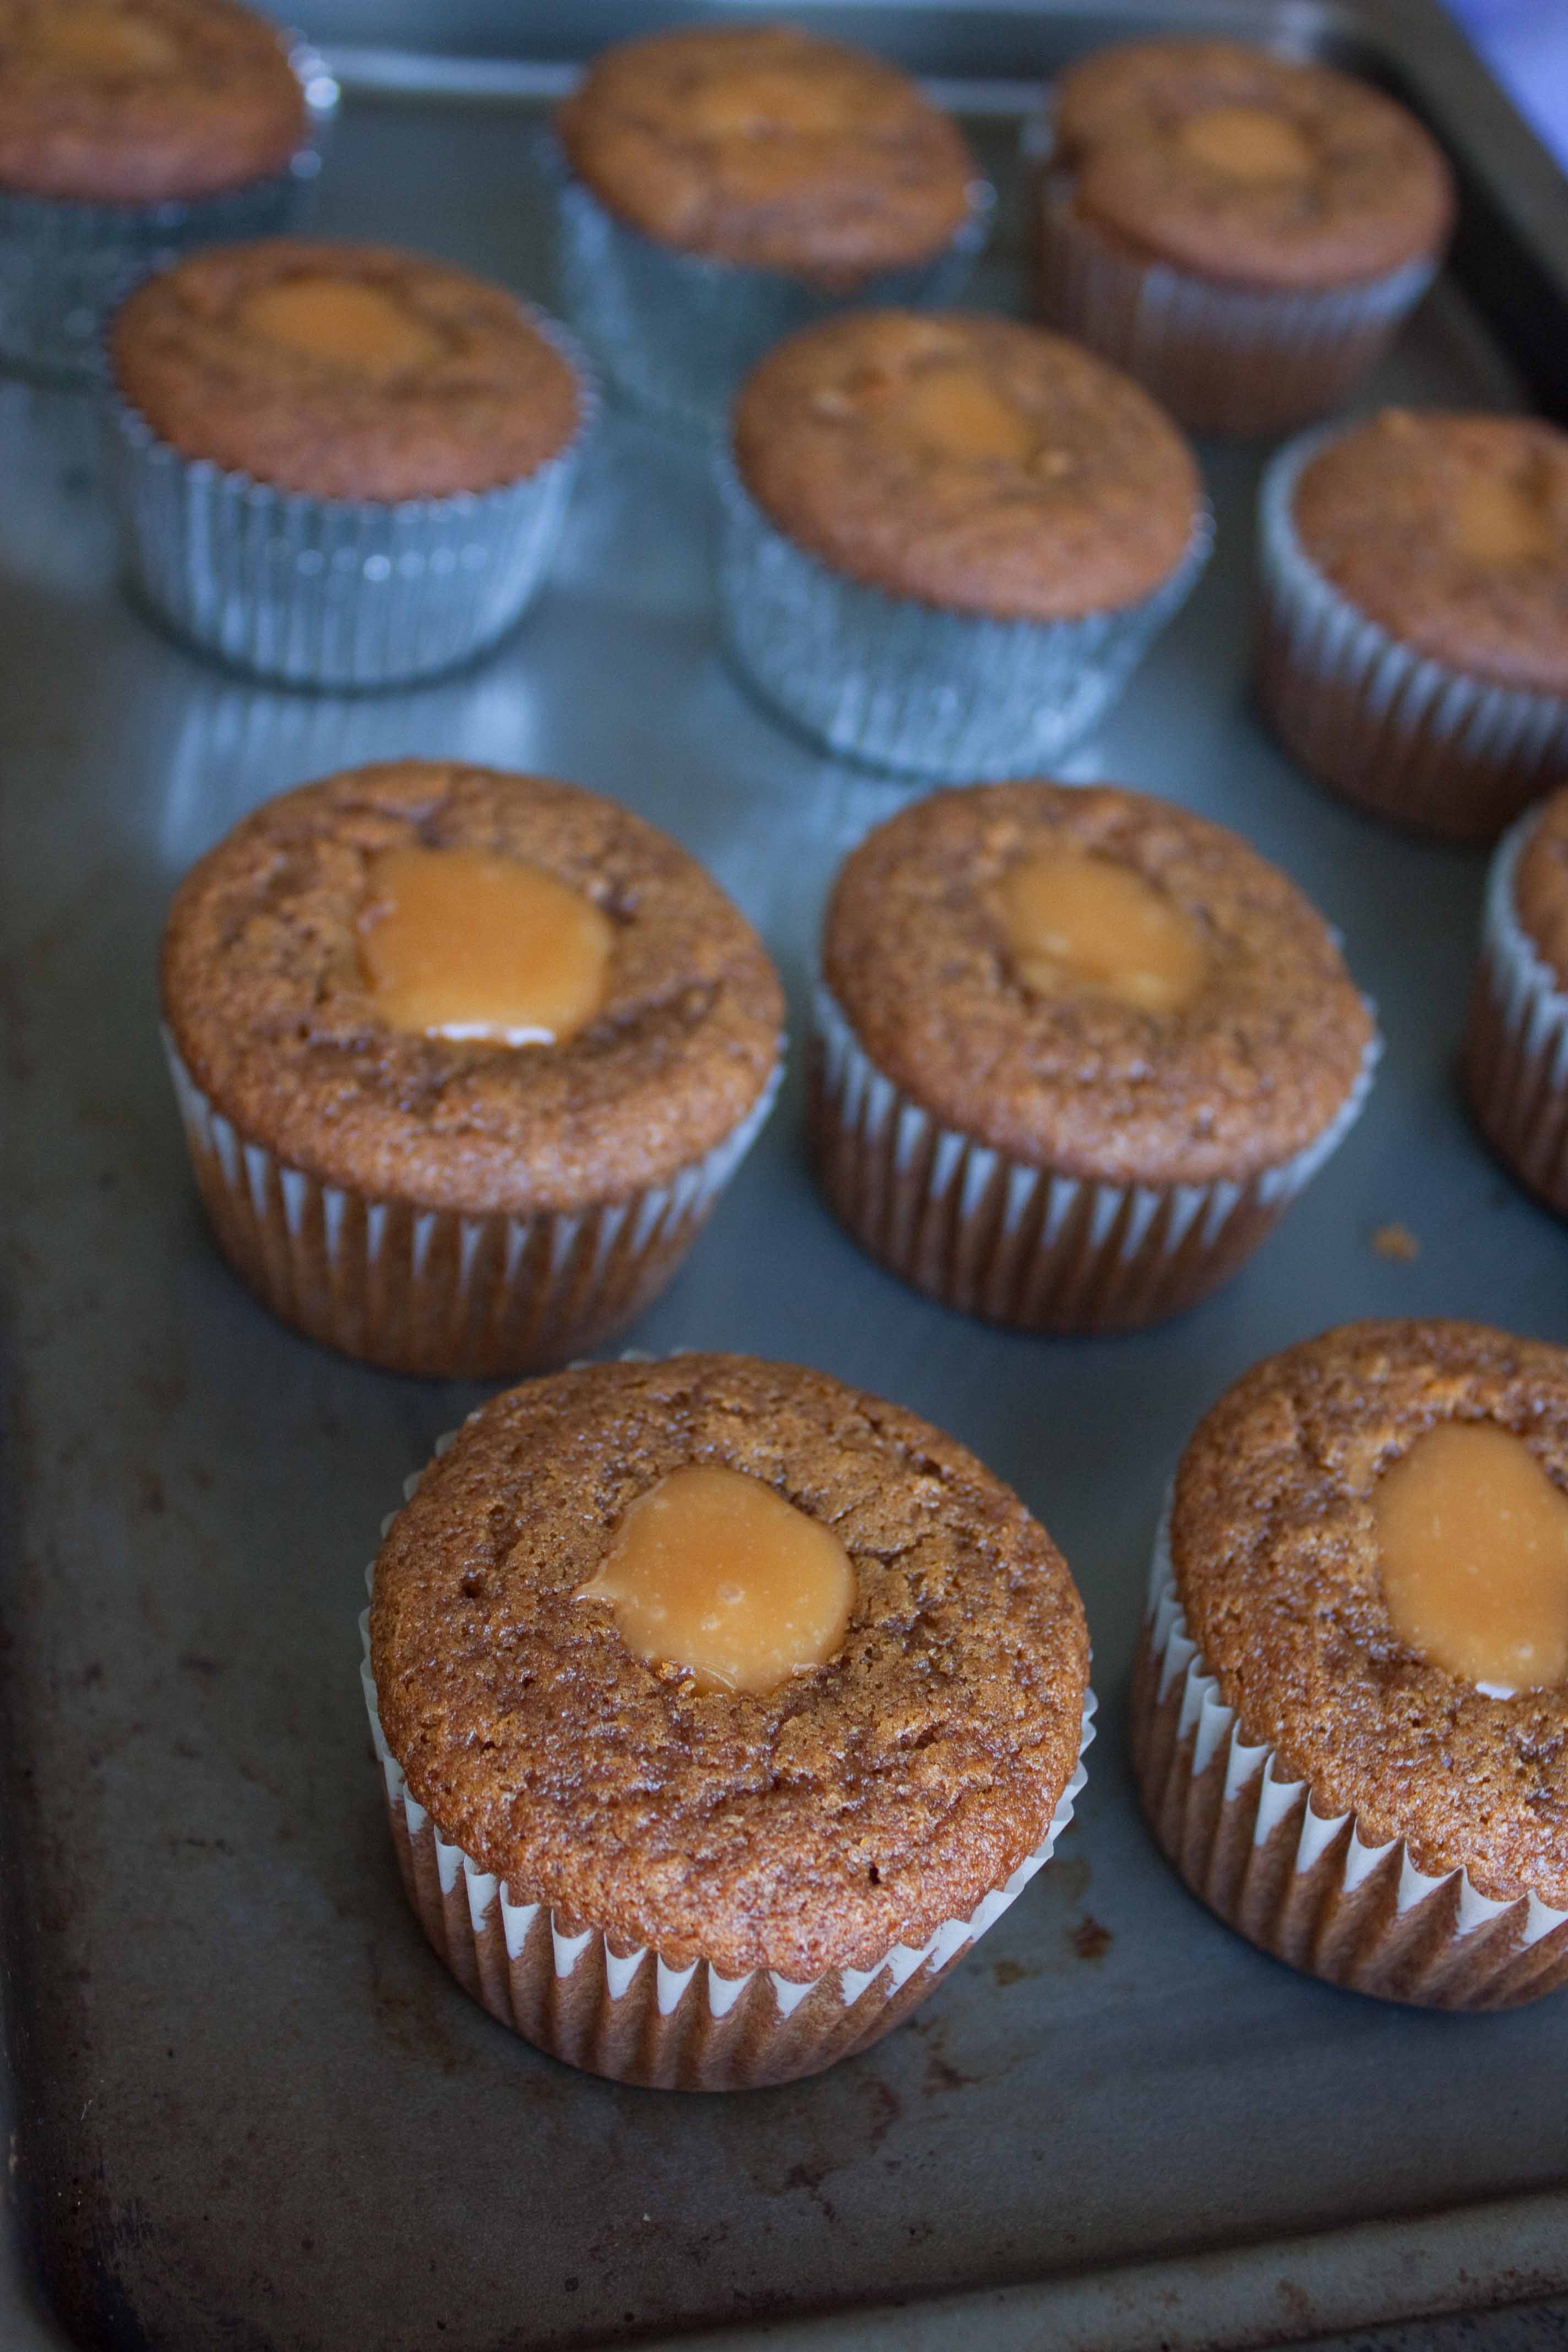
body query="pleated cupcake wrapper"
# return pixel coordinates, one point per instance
(675, 331)
(433, 1291)
(1415, 740)
(65, 266)
(1516, 1052)
(1306, 1886)
(907, 686)
(1222, 358)
(624, 2011)
(1017, 1243)
(334, 593)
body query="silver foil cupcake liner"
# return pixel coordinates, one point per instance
(1222, 358)
(622, 2010)
(1306, 1886)
(65, 268)
(1415, 740)
(1516, 1047)
(1017, 1243)
(913, 687)
(333, 593)
(675, 333)
(432, 1291)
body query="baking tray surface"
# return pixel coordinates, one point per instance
(252, 2107)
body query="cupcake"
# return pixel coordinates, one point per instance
(1075, 1052)
(1414, 653)
(1349, 1705)
(1242, 233)
(1515, 1065)
(130, 131)
(338, 464)
(720, 1708)
(464, 1060)
(721, 186)
(949, 541)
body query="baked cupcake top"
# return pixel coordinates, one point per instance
(343, 371)
(1541, 884)
(1241, 1060)
(762, 144)
(1247, 168)
(271, 996)
(143, 101)
(968, 462)
(859, 1804)
(1452, 533)
(1278, 1560)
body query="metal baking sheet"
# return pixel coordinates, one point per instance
(251, 2108)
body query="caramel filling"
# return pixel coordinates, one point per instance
(712, 1571)
(1498, 523)
(954, 412)
(343, 322)
(1472, 1537)
(749, 101)
(1076, 922)
(462, 943)
(106, 41)
(1246, 142)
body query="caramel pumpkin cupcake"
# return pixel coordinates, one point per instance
(1350, 1704)
(719, 1708)
(464, 1060)
(725, 185)
(130, 129)
(949, 541)
(1516, 1050)
(1076, 1051)
(1415, 648)
(1241, 233)
(338, 465)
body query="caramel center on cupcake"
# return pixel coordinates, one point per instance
(104, 42)
(342, 321)
(462, 943)
(1472, 1540)
(1247, 142)
(1075, 922)
(1497, 521)
(710, 1569)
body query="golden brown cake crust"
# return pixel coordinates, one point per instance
(264, 993)
(1250, 1072)
(497, 403)
(1275, 1560)
(879, 442)
(217, 105)
(1379, 512)
(762, 145)
(1376, 191)
(1541, 884)
(857, 1806)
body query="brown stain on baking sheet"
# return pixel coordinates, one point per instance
(1089, 1939)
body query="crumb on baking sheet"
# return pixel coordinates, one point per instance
(1396, 1242)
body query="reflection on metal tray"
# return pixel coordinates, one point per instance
(252, 2108)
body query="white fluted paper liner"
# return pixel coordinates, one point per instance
(1516, 1052)
(913, 687)
(1015, 1242)
(1418, 741)
(627, 2012)
(1221, 358)
(1306, 1886)
(64, 267)
(342, 593)
(433, 1291)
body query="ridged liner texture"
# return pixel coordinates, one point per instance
(902, 685)
(1012, 1241)
(1305, 1887)
(1415, 740)
(339, 592)
(675, 332)
(432, 1291)
(622, 2010)
(1515, 1065)
(65, 266)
